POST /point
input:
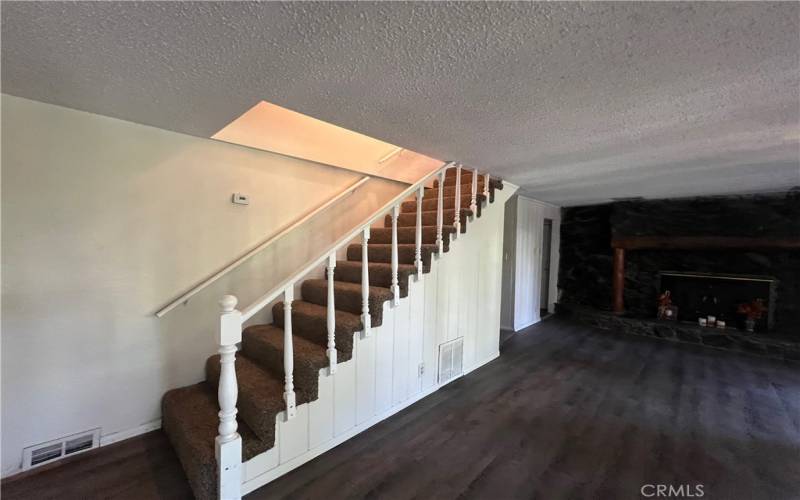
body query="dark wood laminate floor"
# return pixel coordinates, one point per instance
(566, 412)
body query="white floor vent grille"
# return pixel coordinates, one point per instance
(44, 453)
(451, 357)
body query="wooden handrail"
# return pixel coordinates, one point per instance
(256, 249)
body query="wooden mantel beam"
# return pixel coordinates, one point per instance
(618, 281)
(703, 243)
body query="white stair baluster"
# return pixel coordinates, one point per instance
(486, 187)
(288, 354)
(418, 236)
(473, 204)
(440, 214)
(457, 216)
(365, 317)
(228, 447)
(395, 259)
(331, 316)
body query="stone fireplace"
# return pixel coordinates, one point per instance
(617, 259)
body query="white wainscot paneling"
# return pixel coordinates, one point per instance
(430, 323)
(293, 435)
(366, 375)
(401, 346)
(344, 395)
(526, 265)
(321, 414)
(416, 296)
(384, 365)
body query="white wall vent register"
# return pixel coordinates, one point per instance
(451, 357)
(44, 453)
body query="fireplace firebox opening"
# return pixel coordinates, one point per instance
(726, 298)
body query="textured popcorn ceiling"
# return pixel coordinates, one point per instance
(576, 102)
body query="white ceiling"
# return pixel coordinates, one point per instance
(575, 102)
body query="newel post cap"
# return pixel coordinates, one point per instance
(228, 303)
(230, 321)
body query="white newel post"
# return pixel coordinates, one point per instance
(228, 443)
(473, 203)
(440, 214)
(331, 316)
(365, 317)
(395, 259)
(457, 216)
(288, 354)
(486, 187)
(418, 236)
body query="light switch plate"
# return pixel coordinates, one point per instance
(240, 199)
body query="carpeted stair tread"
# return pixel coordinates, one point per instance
(408, 235)
(382, 252)
(190, 420)
(380, 274)
(264, 344)
(448, 202)
(466, 183)
(260, 394)
(310, 321)
(450, 191)
(451, 173)
(347, 297)
(429, 218)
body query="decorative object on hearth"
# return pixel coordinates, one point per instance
(752, 311)
(702, 321)
(666, 310)
(721, 324)
(709, 306)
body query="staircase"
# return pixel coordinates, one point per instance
(225, 429)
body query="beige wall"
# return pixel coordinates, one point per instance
(104, 222)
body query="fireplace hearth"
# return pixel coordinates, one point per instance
(777, 346)
(702, 295)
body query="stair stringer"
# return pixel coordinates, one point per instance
(460, 296)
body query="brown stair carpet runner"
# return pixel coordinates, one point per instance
(189, 414)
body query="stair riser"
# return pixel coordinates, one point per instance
(407, 235)
(428, 219)
(450, 191)
(466, 175)
(262, 423)
(377, 277)
(405, 255)
(346, 301)
(270, 356)
(189, 419)
(466, 184)
(432, 204)
(315, 329)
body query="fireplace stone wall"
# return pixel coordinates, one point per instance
(586, 254)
